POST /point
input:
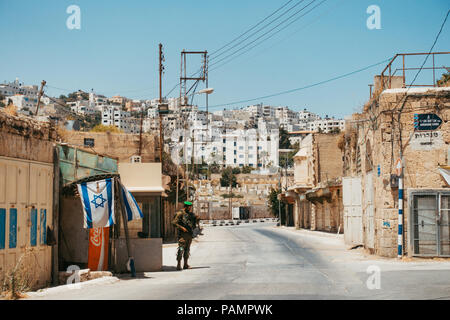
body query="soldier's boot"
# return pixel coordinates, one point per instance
(186, 266)
(179, 257)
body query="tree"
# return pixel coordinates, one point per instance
(284, 143)
(236, 170)
(246, 169)
(228, 178)
(445, 80)
(214, 168)
(276, 206)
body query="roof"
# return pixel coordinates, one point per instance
(141, 177)
(301, 132)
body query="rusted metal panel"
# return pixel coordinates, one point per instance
(77, 164)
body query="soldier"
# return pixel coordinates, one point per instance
(185, 222)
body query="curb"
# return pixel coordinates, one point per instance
(74, 286)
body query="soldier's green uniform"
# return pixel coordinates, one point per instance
(187, 220)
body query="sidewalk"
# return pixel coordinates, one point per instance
(332, 245)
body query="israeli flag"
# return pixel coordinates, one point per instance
(131, 206)
(97, 198)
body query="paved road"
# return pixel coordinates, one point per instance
(261, 261)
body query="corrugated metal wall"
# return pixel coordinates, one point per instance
(26, 198)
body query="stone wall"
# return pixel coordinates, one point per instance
(328, 157)
(117, 145)
(24, 138)
(386, 123)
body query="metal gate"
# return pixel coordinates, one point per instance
(26, 196)
(352, 199)
(369, 224)
(430, 223)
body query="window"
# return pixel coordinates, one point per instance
(241, 156)
(234, 151)
(241, 148)
(234, 143)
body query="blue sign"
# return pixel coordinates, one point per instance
(426, 122)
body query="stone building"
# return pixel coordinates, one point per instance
(316, 196)
(380, 143)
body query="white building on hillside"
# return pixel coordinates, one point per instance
(115, 116)
(327, 125)
(18, 88)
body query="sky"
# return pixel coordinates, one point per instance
(116, 49)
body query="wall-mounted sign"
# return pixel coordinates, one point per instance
(89, 142)
(426, 122)
(430, 140)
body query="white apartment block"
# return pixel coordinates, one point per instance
(235, 148)
(18, 88)
(115, 116)
(23, 102)
(83, 107)
(327, 125)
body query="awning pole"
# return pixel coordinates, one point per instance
(125, 227)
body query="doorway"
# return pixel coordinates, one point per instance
(430, 223)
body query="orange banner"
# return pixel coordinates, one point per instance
(98, 249)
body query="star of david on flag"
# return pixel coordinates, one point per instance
(97, 198)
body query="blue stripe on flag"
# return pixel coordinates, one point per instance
(110, 200)
(127, 205)
(87, 205)
(139, 209)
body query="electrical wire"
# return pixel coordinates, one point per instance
(267, 32)
(267, 38)
(304, 87)
(224, 46)
(260, 29)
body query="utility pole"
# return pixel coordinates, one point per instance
(140, 134)
(231, 195)
(161, 68)
(41, 92)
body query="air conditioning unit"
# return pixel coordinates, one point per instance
(136, 159)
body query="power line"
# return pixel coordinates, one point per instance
(270, 36)
(305, 87)
(262, 28)
(403, 99)
(253, 41)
